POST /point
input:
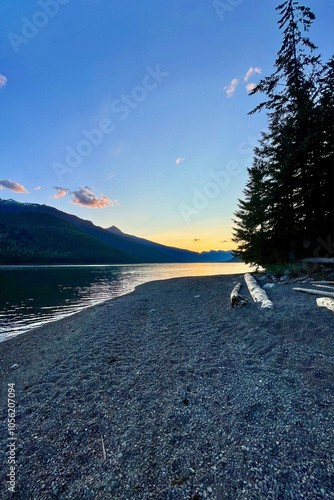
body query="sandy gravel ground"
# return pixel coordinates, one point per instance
(193, 399)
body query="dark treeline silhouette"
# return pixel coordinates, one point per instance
(288, 205)
(29, 238)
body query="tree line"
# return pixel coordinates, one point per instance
(30, 238)
(287, 208)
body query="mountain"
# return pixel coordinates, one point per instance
(235, 259)
(135, 248)
(114, 229)
(177, 253)
(218, 256)
(37, 238)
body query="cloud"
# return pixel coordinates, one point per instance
(37, 188)
(3, 81)
(230, 89)
(252, 71)
(85, 198)
(61, 192)
(13, 186)
(250, 87)
(197, 239)
(119, 149)
(180, 160)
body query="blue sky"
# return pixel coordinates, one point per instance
(140, 93)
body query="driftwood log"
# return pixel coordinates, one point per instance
(319, 260)
(236, 298)
(323, 283)
(325, 302)
(329, 287)
(257, 293)
(315, 292)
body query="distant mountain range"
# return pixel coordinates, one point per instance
(32, 233)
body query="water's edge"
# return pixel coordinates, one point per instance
(31, 297)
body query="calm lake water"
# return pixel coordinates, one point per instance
(32, 296)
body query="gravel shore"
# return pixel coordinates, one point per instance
(191, 399)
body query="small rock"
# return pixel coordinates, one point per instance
(197, 296)
(14, 367)
(330, 276)
(269, 286)
(285, 278)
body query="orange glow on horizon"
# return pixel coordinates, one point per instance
(189, 242)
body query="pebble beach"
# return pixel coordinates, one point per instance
(169, 393)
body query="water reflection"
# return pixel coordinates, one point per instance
(33, 296)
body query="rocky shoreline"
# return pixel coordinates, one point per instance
(170, 393)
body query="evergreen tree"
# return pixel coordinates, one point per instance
(250, 231)
(324, 140)
(294, 175)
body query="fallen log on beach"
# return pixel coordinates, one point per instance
(237, 299)
(325, 302)
(323, 283)
(319, 260)
(315, 292)
(329, 287)
(257, 293)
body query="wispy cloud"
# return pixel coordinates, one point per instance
(250, 87)
(13, 186)
(252, 71)
(86, 198)
(3, 81)
(37, 188)
(180, 160)
(61, 192)
(119, 149)
(230, 89)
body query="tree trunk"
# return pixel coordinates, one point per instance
(323, 283)
(236, 298)
(257, 293)
(315, 292)
(319, 261)
(328, 303)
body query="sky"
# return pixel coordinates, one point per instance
(135, 114)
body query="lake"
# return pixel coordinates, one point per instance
(32, 296)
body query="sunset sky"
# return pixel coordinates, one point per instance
(134, 114)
